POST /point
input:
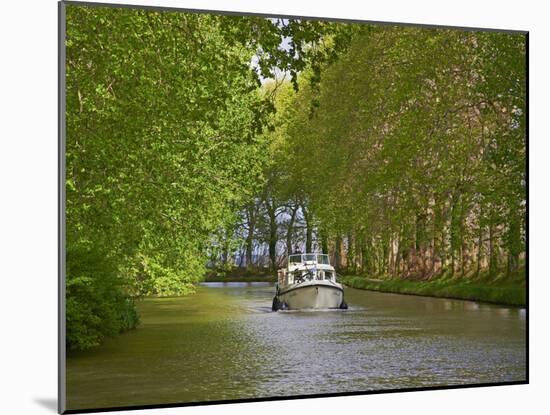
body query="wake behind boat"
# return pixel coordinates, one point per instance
(308, 282)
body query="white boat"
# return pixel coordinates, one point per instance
(308, 282)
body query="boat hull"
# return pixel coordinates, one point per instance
(312, 296)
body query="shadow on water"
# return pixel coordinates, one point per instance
(261, 309)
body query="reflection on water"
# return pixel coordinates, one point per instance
(225, 343)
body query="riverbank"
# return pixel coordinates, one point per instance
(241, 275)
(505, 291)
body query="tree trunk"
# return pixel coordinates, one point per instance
(493, 266)
(272, 237)
(514, 243)
(364, 255)
(338, 253)
(456, 237)
(397, 262)
(357, 252)
(479, 242)
(324, 243)
(225, 253)
(462, 260)
(290, 230)
(251, 218)
(350, 255)
(309, 230)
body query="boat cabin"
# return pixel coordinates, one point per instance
(306, 267)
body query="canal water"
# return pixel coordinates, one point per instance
(225, 343)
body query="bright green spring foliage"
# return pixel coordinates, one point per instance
(410, 151)
(164, 121)
(97, 304)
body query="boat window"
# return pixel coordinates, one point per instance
(295, 259)
(310, 257)
(328, 275)
(322, 259)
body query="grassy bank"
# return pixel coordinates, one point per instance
(506, 291)
(241, 275)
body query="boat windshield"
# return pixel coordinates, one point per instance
(323, 259)
(298, 258)
(294, 259)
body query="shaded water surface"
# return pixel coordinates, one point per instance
(225, 343)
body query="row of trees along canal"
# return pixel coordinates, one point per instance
(397, 150)
(406, 159)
